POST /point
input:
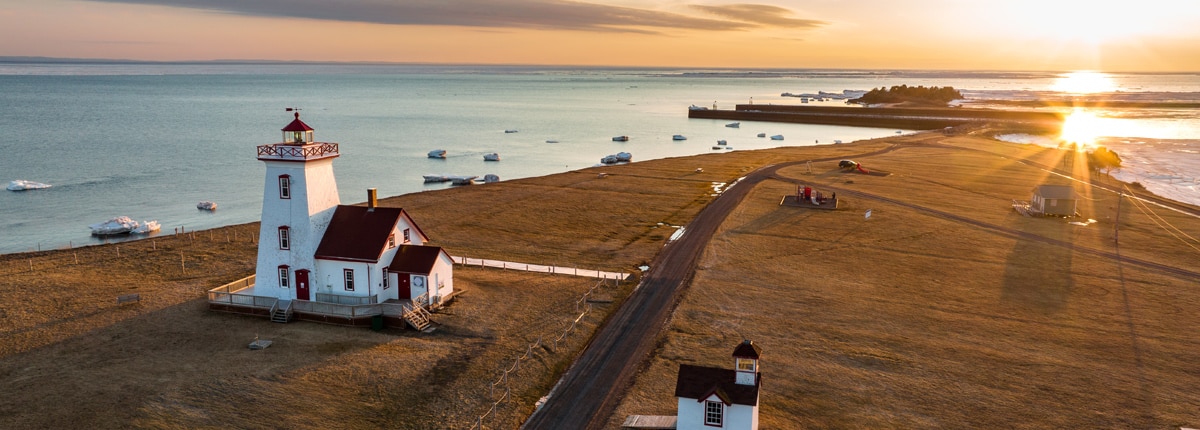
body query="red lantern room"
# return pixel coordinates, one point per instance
(297, 132)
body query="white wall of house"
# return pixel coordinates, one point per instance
(442, 277)
(307, 213)
(735, 417)
(329, 278)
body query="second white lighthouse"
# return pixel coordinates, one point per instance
(299, 198)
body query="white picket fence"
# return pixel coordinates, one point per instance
(527, 267)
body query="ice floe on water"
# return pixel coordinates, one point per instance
(22, 185)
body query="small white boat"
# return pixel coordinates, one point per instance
(621, 139)
(777, 137)
(22, 185)
(206, 206)
(762, 135)
(437, 153)
(678, 137)
(511, 130)
(835, 141)
(117, 225)
(491, 157)
(435, 178)
(734, 125)
(721, 142)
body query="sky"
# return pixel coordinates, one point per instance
(1056, 35)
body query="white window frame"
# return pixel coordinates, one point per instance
(348, 279)
(285, 238)
(406, 236)
(714, 413)
(386, 282)
(284, 277)
(285, 187)
(391, 240)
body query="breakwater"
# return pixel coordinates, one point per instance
(886, 117)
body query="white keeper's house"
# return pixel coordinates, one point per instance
(323, 261)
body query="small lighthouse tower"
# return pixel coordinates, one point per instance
(745, 360)
(299, 198)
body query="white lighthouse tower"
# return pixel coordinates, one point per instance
(299, 198)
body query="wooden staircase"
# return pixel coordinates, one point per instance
(417, 316)
(281, 313)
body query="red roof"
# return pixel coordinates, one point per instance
(297, 125)
(356, 233)
(700, 382)
(416, 259)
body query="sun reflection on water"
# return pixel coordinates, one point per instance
(1084, 82)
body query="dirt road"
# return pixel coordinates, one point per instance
(591, 389)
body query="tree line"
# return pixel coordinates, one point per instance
(904, 93)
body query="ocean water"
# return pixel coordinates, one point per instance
(149, 141)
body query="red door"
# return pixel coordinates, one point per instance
(302, 284)
(403, 291)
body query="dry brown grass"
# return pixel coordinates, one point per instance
(908, 320)
(73, 355)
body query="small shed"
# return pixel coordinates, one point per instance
(1055, 200)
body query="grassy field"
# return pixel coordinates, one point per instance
(70, 354)
(903, 320)
(911, 320)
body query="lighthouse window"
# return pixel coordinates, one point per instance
(743, 364)
(713, 413)
(385, 278)
(285, 239)
(391, 241)
(406, 240)
(285, 187)
(283, 277)
(348, 275)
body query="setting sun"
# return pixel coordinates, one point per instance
(1081, 128)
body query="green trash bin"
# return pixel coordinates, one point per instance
(377, 322)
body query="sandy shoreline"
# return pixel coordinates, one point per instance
(862, 322)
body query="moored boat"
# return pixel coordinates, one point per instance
(734, 125)
(206, 206)
(437, 153)
(678, 137)
(491, 157)
(777, 137)
(621, 139)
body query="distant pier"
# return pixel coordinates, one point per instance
(883, 117)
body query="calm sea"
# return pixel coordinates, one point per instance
(149, 141)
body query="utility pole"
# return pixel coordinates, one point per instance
(1117, 221)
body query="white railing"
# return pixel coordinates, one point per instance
(541, 268)
(335, 309)
(344, 299)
